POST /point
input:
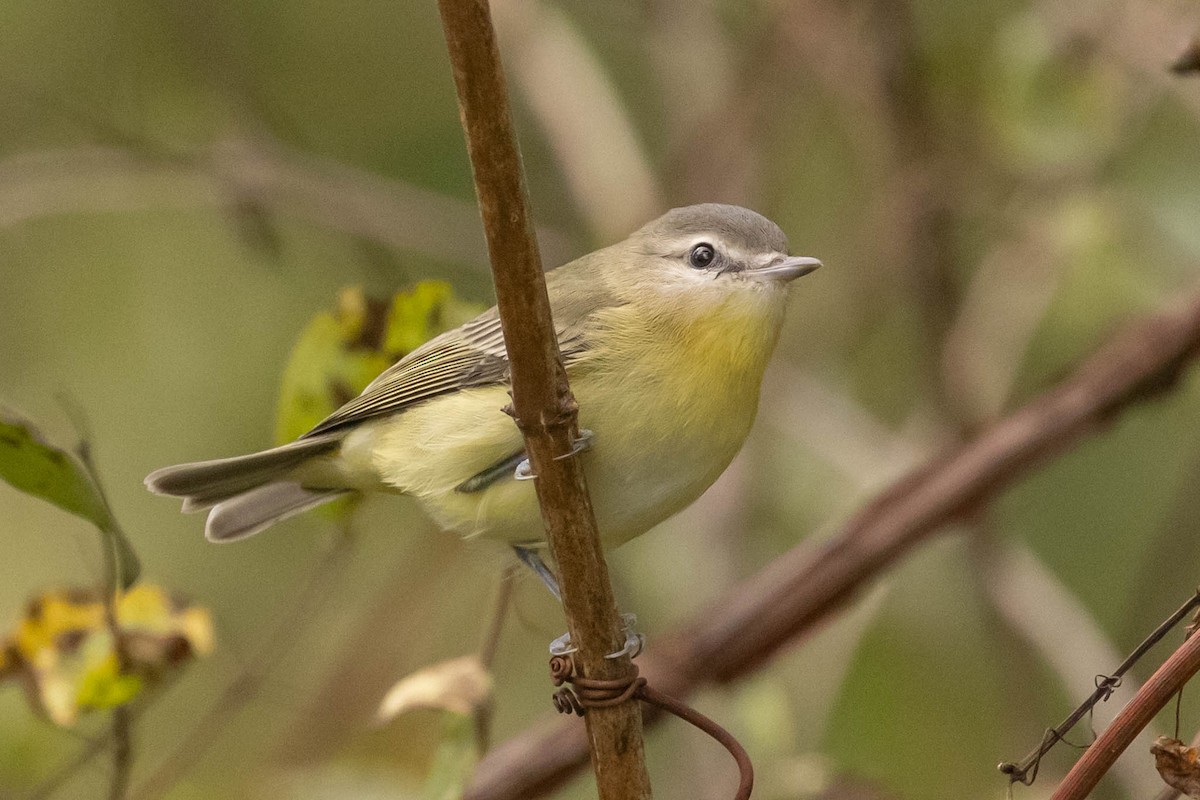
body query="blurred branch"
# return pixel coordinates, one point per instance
(802, 589)
(1188, 62)
(542, 403)
(717, 94)
(487, 652)
(239, 171)
(1164, 684)
(870, 58)
(96, 745)
(1001, 309)
(585, 122)
(1144, 38)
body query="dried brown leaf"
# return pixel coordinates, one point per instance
(460, 685)
(1178, 764)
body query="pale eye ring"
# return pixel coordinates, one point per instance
(702, 255)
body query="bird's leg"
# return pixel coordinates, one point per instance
(532, 559)
(583, 442)
(634, 641)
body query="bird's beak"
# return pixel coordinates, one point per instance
(784, 269)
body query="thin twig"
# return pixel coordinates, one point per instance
(1026, 770)
(491, 637)
(205, 731)
(98, 744)
(1164, 684)
(801, 589)
(542, 404)
(487, 653)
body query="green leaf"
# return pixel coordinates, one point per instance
(31, 464)
(34, 466)
(343, 350)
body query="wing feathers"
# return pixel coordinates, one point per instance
(473, 355)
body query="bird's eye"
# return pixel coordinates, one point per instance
(702, 255)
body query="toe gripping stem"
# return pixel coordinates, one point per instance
(583, 442)
(634, 641)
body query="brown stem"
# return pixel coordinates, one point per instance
(122, 739)
(802, 588)
(542, 402)
(1164, 684)
(122, 753)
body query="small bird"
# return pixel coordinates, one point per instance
(665, 337)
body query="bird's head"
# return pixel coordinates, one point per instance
(712, 258)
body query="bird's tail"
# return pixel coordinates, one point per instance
(247, 493)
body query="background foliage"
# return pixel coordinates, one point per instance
(993, 188)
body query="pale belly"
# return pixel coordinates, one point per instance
(650, 457)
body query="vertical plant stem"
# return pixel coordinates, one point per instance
(122, 739)
(491, 637)
(542, 402)
(122, 753)
(487, 654)
(122, 720)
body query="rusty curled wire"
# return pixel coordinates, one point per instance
(577, 694)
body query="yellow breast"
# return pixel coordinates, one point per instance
(669, 399)
(669, 410)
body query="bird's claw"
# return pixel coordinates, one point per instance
(524, 472)
(579, 444)
(634, 641)
(562, 646)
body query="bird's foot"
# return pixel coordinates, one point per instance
(583, 442)
(524, 472)
(634, 641)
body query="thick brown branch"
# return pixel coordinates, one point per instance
(1150, 699)
(542, 401)
(802, 588)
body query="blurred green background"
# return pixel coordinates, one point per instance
(993, 187)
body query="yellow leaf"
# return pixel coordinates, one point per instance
(64, 648)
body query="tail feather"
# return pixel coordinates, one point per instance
(252, 511)
(207, 483)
